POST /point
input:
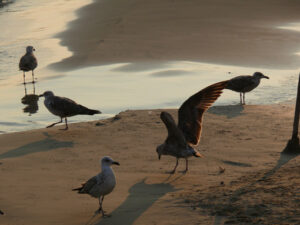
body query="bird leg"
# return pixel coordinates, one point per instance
(186, 165)
(24, 77)
(173, 171)
(54, 123)
(66, 121)
(244, 98)
(241, 101)
(33, 89)
(32, 77)
(101, 208)
(25, 89)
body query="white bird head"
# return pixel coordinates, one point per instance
(47, 94)
(107, 161)
(30, 49)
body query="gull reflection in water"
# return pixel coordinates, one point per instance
(30, 100)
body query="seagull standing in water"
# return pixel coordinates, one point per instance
(181, 137)
(64, 107)
(245, 84)
(28, 62)
(101, 184)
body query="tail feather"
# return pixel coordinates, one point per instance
(86, 111)
(197, 154)
(77, 189)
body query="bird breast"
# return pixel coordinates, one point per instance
(108, 183)
(49, 105)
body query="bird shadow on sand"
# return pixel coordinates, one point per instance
(141, 197)
(232, 163)
(230, 111)
(237, 194)
(44, 145)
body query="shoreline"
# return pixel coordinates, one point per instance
(290, 103)
(115, 31)
(173, 81)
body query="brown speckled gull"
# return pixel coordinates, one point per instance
(64, 107)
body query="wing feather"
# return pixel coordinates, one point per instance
(190, 114)
(175, 135)
(65, 106)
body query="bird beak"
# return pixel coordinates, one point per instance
(33, 49)
(41, 95)
(266, 77)
(116, 163)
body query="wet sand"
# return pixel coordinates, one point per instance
(233, 33)
(153, 36)
(40, 167)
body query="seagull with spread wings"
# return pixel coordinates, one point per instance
(187, 133)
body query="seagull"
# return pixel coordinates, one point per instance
(181, 137)
(101, 184)
(245, 84)
(64, 107)
(28, 62)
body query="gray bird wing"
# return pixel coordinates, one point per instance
(88, 187)
(175, 135)
(240, 83)
(190, 114)
(64, 106)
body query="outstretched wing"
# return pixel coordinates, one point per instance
(175, 135)
(190, 113)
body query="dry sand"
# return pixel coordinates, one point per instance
(234, 32)
(40, 167)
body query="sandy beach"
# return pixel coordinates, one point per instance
(39, 167)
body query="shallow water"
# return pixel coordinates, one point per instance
(110, 88)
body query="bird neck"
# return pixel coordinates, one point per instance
(107, 169)
(257, 78)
